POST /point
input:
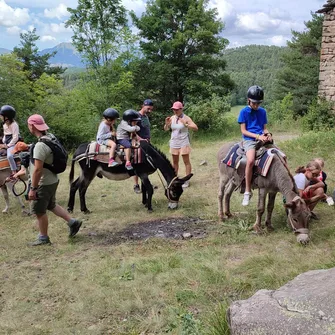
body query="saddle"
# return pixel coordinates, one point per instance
(236, 158)
(100, 153)
(4, 164)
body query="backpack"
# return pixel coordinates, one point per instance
(60, 155)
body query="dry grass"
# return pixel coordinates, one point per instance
(154, 286)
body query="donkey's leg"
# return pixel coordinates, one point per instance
(229, 188)
(73, 189)
(260, 211)
(149, 191)
(220, 199)
(271, 204)
(144, 194)
(5, 195)
(19, 199)
(82, 195)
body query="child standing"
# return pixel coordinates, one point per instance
(106, 132)
(11, 133)
(253, 121)
(126, 127)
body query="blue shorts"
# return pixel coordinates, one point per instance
(124, 142)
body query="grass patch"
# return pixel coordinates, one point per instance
(154, 285)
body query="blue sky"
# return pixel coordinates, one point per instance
(246, 22)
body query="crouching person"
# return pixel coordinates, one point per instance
(44, 183)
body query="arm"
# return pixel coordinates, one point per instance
(15, 135)
(167, 124)
(187, 121)
(245, 132)
(130, 129)
(35, 179)
(20, 173)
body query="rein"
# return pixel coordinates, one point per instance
(166, 186)
(300, 230)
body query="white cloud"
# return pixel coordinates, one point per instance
(15, 30)
(57, 12)
(256, 22)
(223, 7)
(58, 28)
(44, 3)
(10, 17)
(47, 38)
(278, 40)
(138, 6)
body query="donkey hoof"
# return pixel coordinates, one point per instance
(69, 210)
(257, 230)
(270, 228)
(87, 211)
(150, 210)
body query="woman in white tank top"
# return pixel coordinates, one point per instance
(179, 123)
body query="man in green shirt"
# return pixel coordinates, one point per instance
(44, 183)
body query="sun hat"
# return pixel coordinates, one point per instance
(38, 122)
(177, 105)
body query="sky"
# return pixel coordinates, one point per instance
(267, 22)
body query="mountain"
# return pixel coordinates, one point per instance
(66, 56)
(4, 51)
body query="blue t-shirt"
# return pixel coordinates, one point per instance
(254, 120)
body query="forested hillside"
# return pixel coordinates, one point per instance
(253, 64)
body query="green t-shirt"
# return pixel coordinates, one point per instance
(43, 153)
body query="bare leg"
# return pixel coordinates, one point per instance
(61, 212)
(175, 162)
(112, 149)
(248, 169)
(128, 152)
(42, 220)
(188, 166)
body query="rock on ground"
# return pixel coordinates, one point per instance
(305, 305)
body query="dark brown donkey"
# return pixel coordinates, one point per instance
(278, 179)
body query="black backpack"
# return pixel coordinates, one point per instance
(60, 155)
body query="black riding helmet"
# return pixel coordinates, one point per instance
(111, 113)
(25, 158)
(8, 112)
(131, 115)
(255, 94)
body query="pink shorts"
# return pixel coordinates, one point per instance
(180, 151)
(307, 194)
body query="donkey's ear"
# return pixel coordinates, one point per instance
(188, 177)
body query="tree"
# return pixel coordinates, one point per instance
(97, 27)
(181, 44)
(35, 64)
(300, 74)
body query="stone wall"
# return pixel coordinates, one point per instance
(327, 59)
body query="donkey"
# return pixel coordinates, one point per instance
(278, 179)
(3, 185)
(153, 159)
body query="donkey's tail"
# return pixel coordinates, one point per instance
(72, 171)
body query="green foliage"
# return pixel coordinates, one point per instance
(320, 116)
(97, 29)
(282, 110)
(209, 114)
(253, 65)
(34, 63)
(181, 43)
(218, 323)
(300, 74)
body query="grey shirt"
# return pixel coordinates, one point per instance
(104, 132)
(123, 130)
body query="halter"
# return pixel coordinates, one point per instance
(167, 186)
(299, 230)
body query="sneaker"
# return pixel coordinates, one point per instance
(74, 227)
(246, 198)
(330, 201)
(186, 184)
(112, 162)
(137, 189)
(129, 166)
(40, 241)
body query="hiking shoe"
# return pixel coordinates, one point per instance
(314, 216)
(137, 189)
(246, 198)
(186, 184)
(129, 166)
(74, 227)
(112, 162)
(40, 241)
(330, 201)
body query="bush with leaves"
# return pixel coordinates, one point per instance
(209, 114)
(320, 116)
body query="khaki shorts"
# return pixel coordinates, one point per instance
(46, 199)
(249, 145)
(180, 151)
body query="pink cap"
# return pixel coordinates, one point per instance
(38, 122)
(177, 105)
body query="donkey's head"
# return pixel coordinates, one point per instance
(298, 218)
(175, 190)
